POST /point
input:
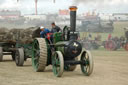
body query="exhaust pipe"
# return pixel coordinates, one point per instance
(73, 18)
(73, 10)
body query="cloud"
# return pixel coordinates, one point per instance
(109, 6)
(47, 6)
(9, 4)
(99, 1)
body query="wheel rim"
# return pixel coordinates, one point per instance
(87, 66)
(85, 59)
(35, 54)
(39, 54)
(17, 57)
(58, 64)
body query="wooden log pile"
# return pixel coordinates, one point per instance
(19, 35)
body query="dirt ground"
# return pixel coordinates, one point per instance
(110, 68)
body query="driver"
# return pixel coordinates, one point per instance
(43, 32)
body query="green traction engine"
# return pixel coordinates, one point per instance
(62, 51)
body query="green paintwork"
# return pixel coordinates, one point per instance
(56, 64)
(84, 67)
(61, 49)
(35, 54)
(27, 49)
(57, 37)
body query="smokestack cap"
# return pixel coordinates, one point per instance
(73, 8)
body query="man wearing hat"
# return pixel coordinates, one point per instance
(43, 32)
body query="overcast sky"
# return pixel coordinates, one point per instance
(47, 6)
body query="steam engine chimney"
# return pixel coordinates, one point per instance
(73, 22)
(73, 18)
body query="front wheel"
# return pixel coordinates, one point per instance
(87, 65)
(19, 57)
(58, 64)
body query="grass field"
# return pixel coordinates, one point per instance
(118, 31)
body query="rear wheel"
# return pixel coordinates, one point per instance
(1, 54)
(58, 64)
(19, 57)
(39, 54)
(87, 65)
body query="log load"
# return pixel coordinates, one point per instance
(14, 35)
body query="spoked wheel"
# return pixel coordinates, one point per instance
(39, 54)
(1, 54)
(70, 67)
(19, 57)
(126, 46)
(58, 64)
(87, 65)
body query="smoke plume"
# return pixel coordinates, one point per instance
(99, 2)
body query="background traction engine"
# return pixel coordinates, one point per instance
(62, 51)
